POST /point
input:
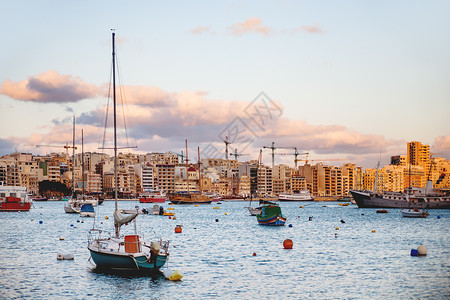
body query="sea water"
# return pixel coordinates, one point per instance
(224, 253)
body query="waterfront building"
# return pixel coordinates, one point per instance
(165, 177)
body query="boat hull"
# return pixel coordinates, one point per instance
(151, 200)
(190, 202)
(272, 221)
(126, 262)
(15, 206)
(369, 200)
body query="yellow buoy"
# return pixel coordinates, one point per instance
(106, 217)
(337, 228)
(225, 214)
(373, 231)
(196, 205)
(301, 206)
(216, 207)
(172, 275)
(170, 208)
(169, 214)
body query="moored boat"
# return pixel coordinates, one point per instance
(411, 198)
(271, 216)
(414, 213)
(14, 198)
(129, 252)
(153, 197)
(87, 210)
(303, 195)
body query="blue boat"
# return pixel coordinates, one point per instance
(271, 216)
(87, 210)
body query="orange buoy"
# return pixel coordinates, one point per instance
(178, 229)
(287, 244)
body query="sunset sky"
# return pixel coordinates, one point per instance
(354, 80)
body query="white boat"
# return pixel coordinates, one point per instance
(254, 210)
(302, 195)
(129, 252)
(414, 213)
(73, 206)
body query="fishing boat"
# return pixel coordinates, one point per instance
(414, 213)
(153, 197)
(302, 195)
(271, 216)
(14, 198)
(87, 210)
(129, 252)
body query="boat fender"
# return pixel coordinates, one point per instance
(422, 250)
(172, 275)
(64, 256)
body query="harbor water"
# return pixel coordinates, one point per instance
(224, 254)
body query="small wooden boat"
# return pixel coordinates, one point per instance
(414, 213)
(382, 211)
(271, 216)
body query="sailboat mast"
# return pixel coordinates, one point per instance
(187, 167)
(199, 174)
(82, 164)
(115, 119)
(73, 158)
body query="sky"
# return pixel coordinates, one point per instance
(345, 81)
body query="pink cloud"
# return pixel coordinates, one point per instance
(201, 29)
(442, 143)
(251, 25)
(49, 87)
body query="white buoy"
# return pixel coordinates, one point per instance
(64, 256)
(172, 275)
(422, 250)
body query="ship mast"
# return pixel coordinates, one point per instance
(187, 168)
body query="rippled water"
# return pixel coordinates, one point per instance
(216, 257)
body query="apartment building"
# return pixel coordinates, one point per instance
(165, 177)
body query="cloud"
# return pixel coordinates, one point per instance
(50, 87)
(201, 30)
(316, 29)
(251, 25)
(442, 143)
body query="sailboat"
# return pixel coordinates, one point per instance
(129, 252)
(73, 205)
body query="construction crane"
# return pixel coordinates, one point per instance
(226, 146)
(181, 155)
(273, 152)
(296, 154)
(236, 154)
(67, 147)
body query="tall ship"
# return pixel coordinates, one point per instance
(14, 198)
(302, 195)
(191, 197)
(427, 198)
